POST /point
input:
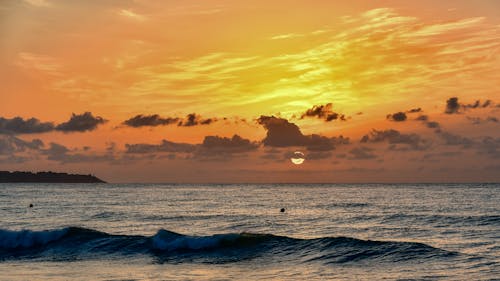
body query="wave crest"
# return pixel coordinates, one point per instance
(78, 243)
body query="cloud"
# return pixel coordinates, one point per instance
(402, 116)
(18, 125)
(318, 155)
(414, 110)
(10, 145)
(149, 120)
(224, 148)
(212, 148)
(164, 146)
(453, 139)
(77, 123)
(81, 123)
(479, 120)
(394, 137)
(361, 153)
(60, 153)
(323, 112)
(282, 133)
(453, 106)
(190, 120)
(38, 3)
(127, 13)
(430, 124)
(477, 104)
(13, 148)
(40, 63)
(398, 117)
(236, 144)
(194, 119)
(316, 142)
(286, 36)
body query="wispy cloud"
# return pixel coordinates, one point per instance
(38, 3)
(128, 13)
(378, 53)
(286, 36)
(38, 62)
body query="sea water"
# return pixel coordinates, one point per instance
(237, 232)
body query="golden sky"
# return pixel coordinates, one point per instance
(152, 91)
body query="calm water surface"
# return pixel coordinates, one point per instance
(228, 232)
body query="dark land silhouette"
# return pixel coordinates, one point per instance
(47, 177)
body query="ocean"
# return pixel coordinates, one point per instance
(237, 232)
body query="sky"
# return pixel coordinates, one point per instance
(222, 91)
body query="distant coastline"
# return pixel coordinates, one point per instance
(46, 177)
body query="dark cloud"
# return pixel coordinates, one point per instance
(60, 153)
(194, 119)
(190, 120)
(361, 153)
(149, 120)
(223, 148)
(492, 119)
(318, 155)
(455, 140)
(212, 148)
(422, 118)
(487, 103)
(18, 125)
(321, 143)
(414, 110)
(55, 150)
(430, 124)
(17, 159)
(477, 104)
(281, 133)
(453, 106)
(402, 116)
(394, 137)
(324, 112)
(398, 116)
(164, 146)
(81, 123)
(236, 144)
(10, 145)
(478, 120)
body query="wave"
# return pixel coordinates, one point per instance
(166, 246)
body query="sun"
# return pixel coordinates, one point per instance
(297, 158)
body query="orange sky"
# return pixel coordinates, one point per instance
(234, 61)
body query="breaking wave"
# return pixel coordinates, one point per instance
(166, 246)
